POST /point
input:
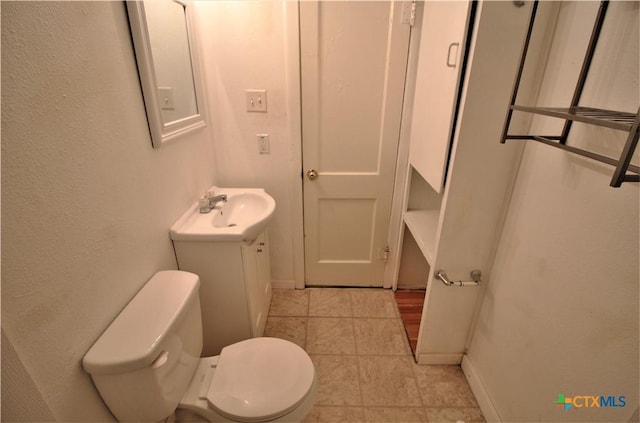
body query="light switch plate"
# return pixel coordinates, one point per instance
(166, 98)
(256, 100)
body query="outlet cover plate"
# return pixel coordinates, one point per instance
(263, 144)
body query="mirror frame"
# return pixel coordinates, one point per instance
(161, 132)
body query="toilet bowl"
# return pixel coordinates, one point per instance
(147, 364)
(244, 384)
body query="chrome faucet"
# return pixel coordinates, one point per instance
(209, 201)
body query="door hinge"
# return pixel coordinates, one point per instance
(387, 251)
(409, 13)
(412, 20)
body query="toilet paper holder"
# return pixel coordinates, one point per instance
(476, 276)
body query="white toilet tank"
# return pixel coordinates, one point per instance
(144, 361)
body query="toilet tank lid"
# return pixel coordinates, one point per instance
(134, 338)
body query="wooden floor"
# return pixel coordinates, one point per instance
(410, 307)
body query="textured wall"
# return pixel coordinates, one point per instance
(22, 400)
(560, 313)
(86, 201)
(248, 46)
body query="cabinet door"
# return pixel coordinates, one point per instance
(252, 284)
(442, 42)
(223, 291)
(257, 276)
(264, 274)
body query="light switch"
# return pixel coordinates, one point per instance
(263, 143)
(256, 100)
(166, 98)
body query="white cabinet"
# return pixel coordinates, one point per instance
(456, 225)
(440, 63)
(441, 52)
(235, 288)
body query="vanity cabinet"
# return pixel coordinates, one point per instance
(235, 288)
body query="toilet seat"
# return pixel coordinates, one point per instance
(260, 379)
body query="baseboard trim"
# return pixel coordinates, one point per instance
(410, 287)
(286, 284)
(477, 387)
(451, 359)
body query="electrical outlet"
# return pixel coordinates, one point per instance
(263, 143)
(256, 100)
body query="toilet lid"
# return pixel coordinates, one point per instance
(260, 379)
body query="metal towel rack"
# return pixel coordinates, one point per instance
(476, 275)
(622, 121)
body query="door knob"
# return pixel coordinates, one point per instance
(312, 175)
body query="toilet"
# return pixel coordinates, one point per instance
(147, 364)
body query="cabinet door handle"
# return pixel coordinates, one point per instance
(259, 250)
(449, 63)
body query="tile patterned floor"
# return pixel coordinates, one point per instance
(367, 374)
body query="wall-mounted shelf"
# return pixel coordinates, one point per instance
(422, 213)
(423, 225)
(622, 121)
(606, 118)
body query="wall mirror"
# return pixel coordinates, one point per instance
(166, 53)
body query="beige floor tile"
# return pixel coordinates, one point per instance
(292, 329)
(327, 302)
(330, 335)
(373, 303)
(289, 302)
(453, 415)
(443, 386)
(381, 337)
(335, 414)
(388, 381)
(338, 380)
(395, 414)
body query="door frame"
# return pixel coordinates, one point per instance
(294, 110)
(400, 194)
(293, 98)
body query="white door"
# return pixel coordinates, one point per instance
(353, 65)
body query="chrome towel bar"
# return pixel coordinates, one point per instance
(476, 275)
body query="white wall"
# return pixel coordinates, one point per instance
(246, 45)
(86, 201)
(560, 313)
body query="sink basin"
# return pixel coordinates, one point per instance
(242, 217)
